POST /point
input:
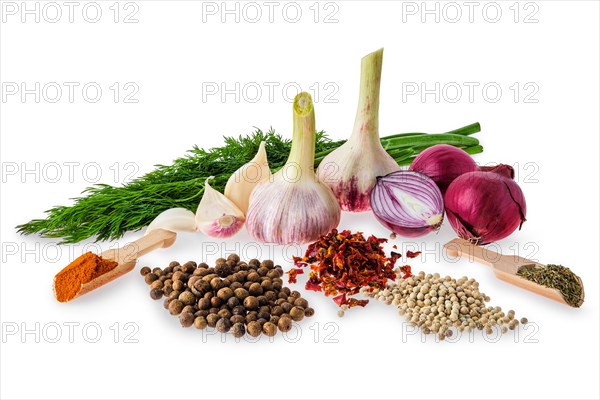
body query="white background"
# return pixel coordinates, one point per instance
(171, 53)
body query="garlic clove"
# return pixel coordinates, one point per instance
(174, 220)
(242, 182)
(217, 216)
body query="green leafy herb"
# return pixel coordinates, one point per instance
(555, 277)
(107, 212)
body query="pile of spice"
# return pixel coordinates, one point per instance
(555, 277)
(437, 305)
(85, 268)
(233, 296)
(343, 263)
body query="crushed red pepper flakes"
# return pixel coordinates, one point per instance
(410, 254)
(395, 247)
(292, 273)
(341, 263)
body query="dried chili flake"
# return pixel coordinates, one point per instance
(395, 247)
(292, 273)
(343, 262)
(410, 254)
(407, 273)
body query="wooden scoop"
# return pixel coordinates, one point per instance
(505, 267)
(127, 256)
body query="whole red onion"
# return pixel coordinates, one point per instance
(443, 163)
(485, 206)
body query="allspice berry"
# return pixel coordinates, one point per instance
(225, 293)
(156, 294)
(267, 264)
(301, 302)
(187, 298)
(238, 330)
(212, 319)
(223, 325)
(186, 319)
(254, 329)
(297, 314)
(145, 271)
(200, 323)
(175, 307)
(251, 303)
(269, 329)
(284, 324)
(309, 312)
(149, 278)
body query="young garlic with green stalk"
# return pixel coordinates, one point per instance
(351, 170)
(294, 206)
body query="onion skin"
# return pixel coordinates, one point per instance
(484, 207)
(392, 213)
(443, 163)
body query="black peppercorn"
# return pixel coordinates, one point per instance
(284, 324)
(254, 329)
(175, 307)
(297, 314)
(145, 271)
(149, 278)
(212, 319)
(251, 303)
(200, 323)
(186, 319)
(156, 294)
(309, 312)
(269, 329)
(223, 325)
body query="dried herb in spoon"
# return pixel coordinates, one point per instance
(555, 277)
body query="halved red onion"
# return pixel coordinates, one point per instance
(408, 203)
(443, 163)
(484, 207)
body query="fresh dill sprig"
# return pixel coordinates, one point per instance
(107, 212)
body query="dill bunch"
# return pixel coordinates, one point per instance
(107, 212)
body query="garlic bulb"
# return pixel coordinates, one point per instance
(174, 220)
(217, 216)
(294, 206)
(351, 170)
(243, 181)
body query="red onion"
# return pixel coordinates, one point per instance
(408, 203)
(484, 207)
(443, 163)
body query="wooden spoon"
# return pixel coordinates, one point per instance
(127, 256)
(505, 267)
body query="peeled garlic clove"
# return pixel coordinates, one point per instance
(294, 206)
(351, 169)
(217, 216)
(174, 220)
(243, 181)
